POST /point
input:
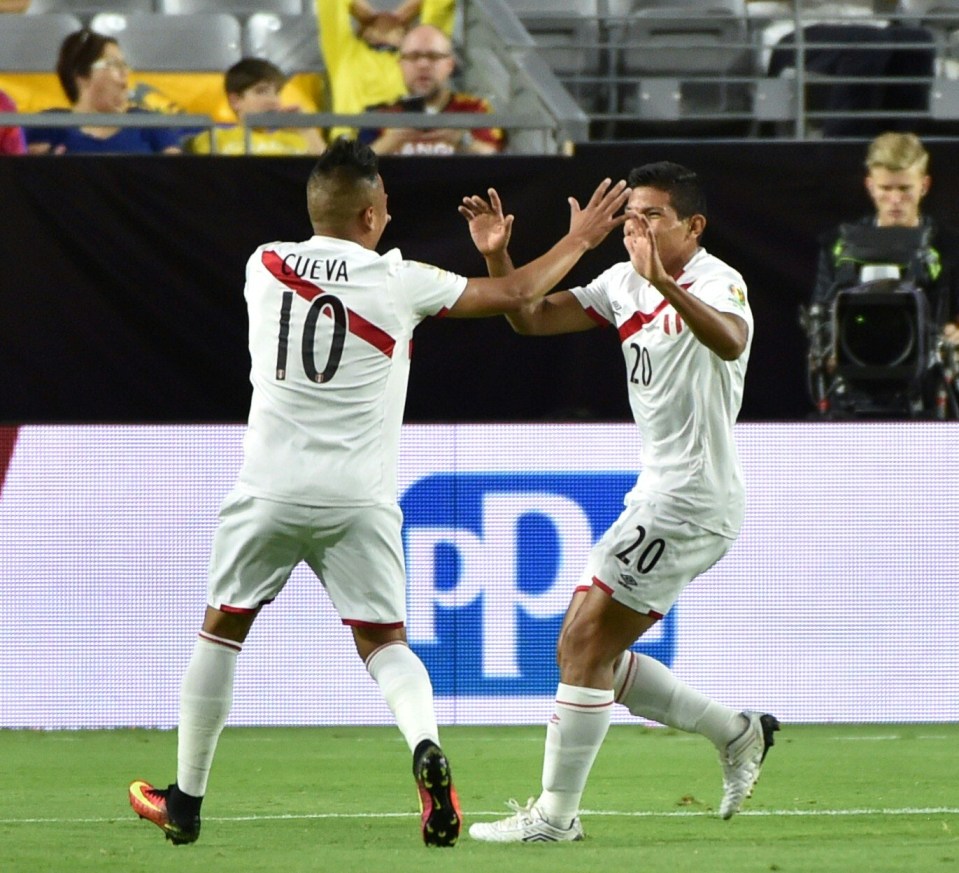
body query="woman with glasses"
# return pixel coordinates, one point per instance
(95, 77)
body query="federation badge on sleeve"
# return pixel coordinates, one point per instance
(737, 295)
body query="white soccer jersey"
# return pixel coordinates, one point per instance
(684, 397)
(331, 325)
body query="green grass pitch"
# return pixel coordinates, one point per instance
(832, 799)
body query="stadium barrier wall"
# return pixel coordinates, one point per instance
(837, 603)
(120, 292)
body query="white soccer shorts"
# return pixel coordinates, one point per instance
(647, 557)
(355, 551)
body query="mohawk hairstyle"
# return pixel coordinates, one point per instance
(348, 160)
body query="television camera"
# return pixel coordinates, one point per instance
(874, 349)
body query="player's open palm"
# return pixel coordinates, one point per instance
(640, 242)
(489, 228)
(600, 215)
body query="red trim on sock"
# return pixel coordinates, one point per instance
(584, 706)
(220, 641)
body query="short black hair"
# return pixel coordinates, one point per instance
(679, 182)
(247, 72)
(78, 53)
(348, 159)
(341, 183)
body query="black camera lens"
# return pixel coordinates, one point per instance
(877, 336)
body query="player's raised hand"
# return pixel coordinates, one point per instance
(489, 228)
(600, 215)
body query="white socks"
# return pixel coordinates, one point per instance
(408, 691)
(650, 690)
(206, 694)
(573, 737)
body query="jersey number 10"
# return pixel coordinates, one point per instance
(333, 308)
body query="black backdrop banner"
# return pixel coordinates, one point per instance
(121, 278)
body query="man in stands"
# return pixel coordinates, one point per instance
(427, 64)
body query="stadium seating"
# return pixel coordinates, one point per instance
(680, 62)
(86, 9)
(568, 33)
(29, 45)
(181, 58)
(241, 9)
(292, 43)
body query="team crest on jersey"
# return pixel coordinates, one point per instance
(737, 295)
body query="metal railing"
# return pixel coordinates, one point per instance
(764, 77)
(696, 69)
(514, 123)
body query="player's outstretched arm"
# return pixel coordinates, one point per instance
(588, 227)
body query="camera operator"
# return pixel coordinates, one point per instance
(897, 180)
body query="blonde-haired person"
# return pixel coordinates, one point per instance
(14, 5)
(253, 85)
(897, 181)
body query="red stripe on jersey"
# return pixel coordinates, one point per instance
(666, 324)
(274, 263)
(365, 330)
(679, 323)
(8, 439)
(638, 321)
(375, 336)
(593, 314)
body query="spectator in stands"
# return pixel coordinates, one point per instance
(897, 181)
(427, 63)
(93, 74)
(11, 138)
(253, 85)
(360, 46)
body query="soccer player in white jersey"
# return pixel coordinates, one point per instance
(685, 325)
(330, 328)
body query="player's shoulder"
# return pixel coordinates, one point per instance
(619, 273)
(417, 271)
(706, 265)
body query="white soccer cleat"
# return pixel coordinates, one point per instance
(742, 760)
(526, 825)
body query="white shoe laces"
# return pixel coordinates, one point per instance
(522, 815)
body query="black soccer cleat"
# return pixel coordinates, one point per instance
(440, 818)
